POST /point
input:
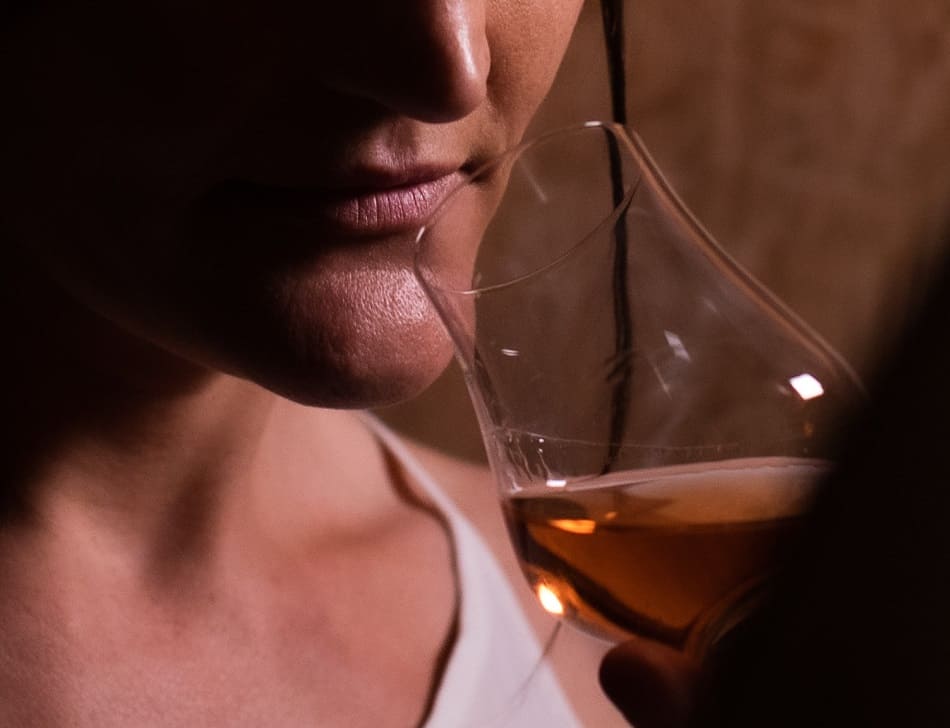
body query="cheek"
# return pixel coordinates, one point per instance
(103, 191)
(95, 150)
(528, 40)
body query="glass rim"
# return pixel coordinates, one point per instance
(425, 274)
(636, 148)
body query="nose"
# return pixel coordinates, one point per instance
(426, 59)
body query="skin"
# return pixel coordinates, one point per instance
(287, 95)
(186, 502)
(177, 527)
(652, 685)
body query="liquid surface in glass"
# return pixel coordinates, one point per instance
(659, 553)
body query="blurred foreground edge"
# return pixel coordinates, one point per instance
(858, 630)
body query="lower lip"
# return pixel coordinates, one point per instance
(384, 211)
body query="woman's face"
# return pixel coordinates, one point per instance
(240, 181)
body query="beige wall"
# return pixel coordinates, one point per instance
(812, 139)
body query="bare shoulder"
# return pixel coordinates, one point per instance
(575, 657)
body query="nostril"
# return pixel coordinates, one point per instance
(424, 59)
(452, 97)
(459, 60)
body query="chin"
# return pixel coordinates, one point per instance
(387, 377)
(367, 339)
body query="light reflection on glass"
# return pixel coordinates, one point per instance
(582, 526)
(549, 600)
(807, 386)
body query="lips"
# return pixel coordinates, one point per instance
(390, 209)
(370, 204)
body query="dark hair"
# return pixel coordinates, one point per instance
(612, 12)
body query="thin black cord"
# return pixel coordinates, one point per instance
(622, 371)
(612, 12)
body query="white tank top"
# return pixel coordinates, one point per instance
(494, 677)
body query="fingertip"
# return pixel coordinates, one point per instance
(650, 684)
